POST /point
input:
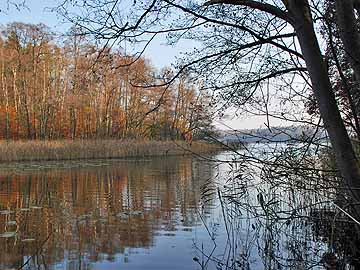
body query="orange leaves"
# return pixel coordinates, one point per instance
(76, 90)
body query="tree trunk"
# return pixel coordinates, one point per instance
(329, 111)
(73, 123)
(27, 113)
(349, 34)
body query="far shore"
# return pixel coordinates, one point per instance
(58, 150)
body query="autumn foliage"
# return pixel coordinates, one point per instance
(67, 89)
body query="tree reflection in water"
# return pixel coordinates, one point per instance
(181, 213)
(91, 214)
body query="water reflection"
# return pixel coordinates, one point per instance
(102, 215)
(174, 213)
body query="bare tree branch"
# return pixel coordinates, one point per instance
(273, 10)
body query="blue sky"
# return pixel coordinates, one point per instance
(35, 13)
(38, 11)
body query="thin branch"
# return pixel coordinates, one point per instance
(237, 26)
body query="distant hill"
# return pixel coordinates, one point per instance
(277, 134)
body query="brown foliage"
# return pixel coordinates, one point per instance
(78, 91)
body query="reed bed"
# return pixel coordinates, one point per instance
(97, 149)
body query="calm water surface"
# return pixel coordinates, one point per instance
(159, 213)
(145, 214)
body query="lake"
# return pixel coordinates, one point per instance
(158, 213)
(137, 214)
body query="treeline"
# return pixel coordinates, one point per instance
(57, 89)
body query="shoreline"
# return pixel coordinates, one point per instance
(70, 150)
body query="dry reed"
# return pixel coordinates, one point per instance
(97, 149)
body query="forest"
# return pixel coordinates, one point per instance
(64, 87)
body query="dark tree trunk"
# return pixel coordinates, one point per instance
(349, 34)
(329, 111)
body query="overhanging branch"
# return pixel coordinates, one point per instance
(237, 26)
(273, 10)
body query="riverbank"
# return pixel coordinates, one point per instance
(98, 149)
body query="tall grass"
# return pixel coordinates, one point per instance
(92, 149)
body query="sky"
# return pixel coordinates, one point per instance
(34, 13)
(159, 54)
(39, 11)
